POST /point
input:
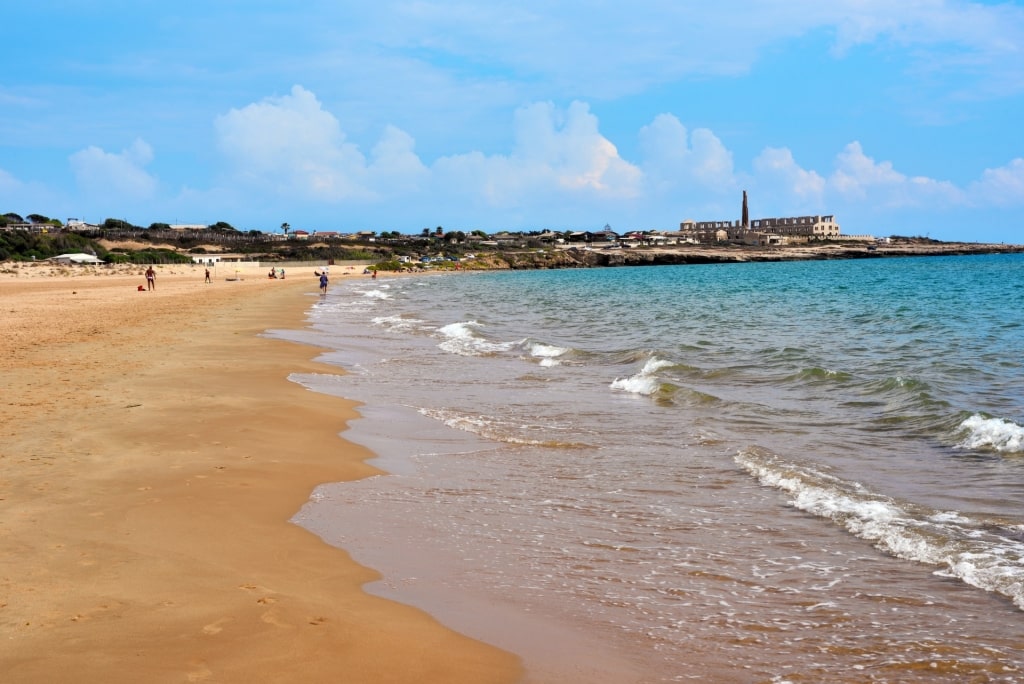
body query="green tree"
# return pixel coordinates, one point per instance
(117, 224)
(285, 228)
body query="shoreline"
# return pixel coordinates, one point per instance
(608, 256)
(154, 454)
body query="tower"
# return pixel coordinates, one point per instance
(746, 213)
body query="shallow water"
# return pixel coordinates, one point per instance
(752, 472)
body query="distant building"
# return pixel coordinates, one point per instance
(821, 227)
(76, 259)
(764, 231)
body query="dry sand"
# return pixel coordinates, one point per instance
(152, 452)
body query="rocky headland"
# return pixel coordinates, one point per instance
(596, 257)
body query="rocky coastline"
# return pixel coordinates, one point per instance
(576, 257)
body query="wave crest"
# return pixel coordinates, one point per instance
(463, 339)
(645, 382)
(984, 553)
(997, 434)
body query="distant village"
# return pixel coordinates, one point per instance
(761, 232)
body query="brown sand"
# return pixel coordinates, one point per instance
(152, 452)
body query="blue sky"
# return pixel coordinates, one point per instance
(898, 117)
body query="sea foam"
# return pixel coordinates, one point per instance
(547, 353)
(463, 339)
(983, 553)
(992, 433)
(645, 382)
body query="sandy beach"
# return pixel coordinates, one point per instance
(153, 452)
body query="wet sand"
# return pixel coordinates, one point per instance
(152, 452)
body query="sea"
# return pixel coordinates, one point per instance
(747, 472)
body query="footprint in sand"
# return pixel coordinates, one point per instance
(255, 587)
(199, 675)
(215, 627)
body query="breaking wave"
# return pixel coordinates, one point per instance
(464, 339)
(549, 354)
(979, 432)
(645, 382)
(987, 553)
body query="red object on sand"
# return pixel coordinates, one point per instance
(141, 289)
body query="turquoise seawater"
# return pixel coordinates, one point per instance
(807, 471)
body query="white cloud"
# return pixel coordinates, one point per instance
(776, 168)
(115, 176)
(856, 173)
(561, 167)
(859, 177)
(557, 155)
(1003, 186)
(674, 159)
(395, 167)
(567, 148)
(290, 145)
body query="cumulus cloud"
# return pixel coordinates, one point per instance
(394, 166)
(290, 144)
(568, 148)
(858, 177)
(558, 155)
(560, 165)
(116, 176)
(775, 167)
(675, 158)
(1003, 186)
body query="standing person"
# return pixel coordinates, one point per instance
(323, 282)
(281, 274)
(150, 278)
(207, 275)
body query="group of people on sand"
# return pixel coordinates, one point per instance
(275, 273)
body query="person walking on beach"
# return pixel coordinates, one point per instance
(323, 283)
(150, 278)
(207, 275)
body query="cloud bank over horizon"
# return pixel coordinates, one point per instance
(438, 116)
